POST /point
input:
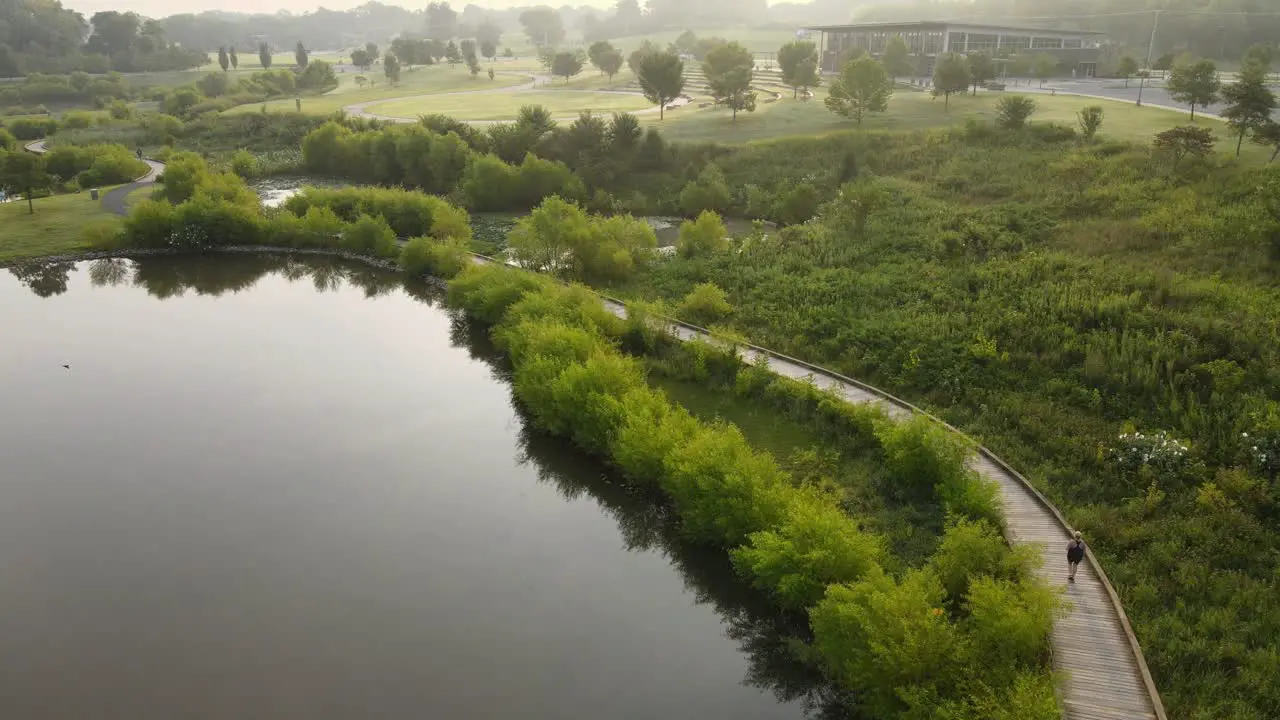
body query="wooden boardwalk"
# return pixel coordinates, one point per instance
(1104, 674)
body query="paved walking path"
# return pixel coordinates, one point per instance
(1106, 676)
(114, 199)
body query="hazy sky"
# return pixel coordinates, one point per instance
(161, 8)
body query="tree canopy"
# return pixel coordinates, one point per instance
(661, 78)
(1194, 83)
(863, 87)
(730, 69)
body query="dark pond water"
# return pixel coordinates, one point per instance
(275, 489)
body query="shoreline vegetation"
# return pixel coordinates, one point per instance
(1100, 313)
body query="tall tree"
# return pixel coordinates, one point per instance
(442, 22)
(628, 15)
(1269, 135)
(637, 56)
(1127, 68)
(361, 59)
(264, 56)
(371, 48)
(1249, 102)
(224, 61)
(897, 58)
(797, 60)
(863, 86)
(300, 55)
(950, 75)
(543, 25)
(488, 34)
(235, 59)
(391, 68)
(567, 64)
(24, 172)
(609, 60)
(1044, 66)
(114, 33)
(452, 53)
(661, 78)
(598, 50)
(730, 69)
(1194, 83)
(981, 69)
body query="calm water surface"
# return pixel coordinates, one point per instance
(270, 489)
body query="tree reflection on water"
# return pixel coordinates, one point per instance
(775, 643)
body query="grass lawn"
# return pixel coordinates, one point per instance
(753, 39)
(910, 110)
(505, 106)
(56, 227)
(421, 80)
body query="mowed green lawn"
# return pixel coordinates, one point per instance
(909, 110)
(505, 106)
(57, 226)
(421, 80)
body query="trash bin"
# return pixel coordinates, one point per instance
(93, 194)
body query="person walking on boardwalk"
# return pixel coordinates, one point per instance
(1075, 555)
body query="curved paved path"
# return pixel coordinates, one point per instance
(114, 199)
(361, 110)
(1105, 673)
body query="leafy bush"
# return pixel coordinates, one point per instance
(486, 292)
(890, 641)
(971, 549)
(370, 236)
(409, 214)
(1013, 111)
(1010, 624)
(244, 164)
(703, 236)
(708, 193)
(816, 545)
(28, 128)
(705, 305)
(182, 174)
(441, 258)
(723, 489)
(149, 225)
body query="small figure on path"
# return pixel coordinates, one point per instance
(1075, 555)
(139, 153)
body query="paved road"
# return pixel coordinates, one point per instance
(114, 199)
(1156, 96)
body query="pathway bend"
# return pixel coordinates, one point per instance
(114, 200)
(1094, 647)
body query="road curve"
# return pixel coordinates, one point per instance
(114, 199)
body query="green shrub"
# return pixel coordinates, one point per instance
(28, 128)
(723, 489)
(206, 221)
(486, 292)
(887, 640)
(182, 174)
(575, 305)
(705, 305)
(972, 549)
(244, 164)
(559, 342)
(77, 120)
(319, 227)
(7, 140)
(708, 193)
(584, 403)
(816, 545)
(441, 258)
(101, 235)
(1013, 111)
(650, 430)
(1010, 624)
(409, 214)
(149, 225)
(703, 236)
(370, 236)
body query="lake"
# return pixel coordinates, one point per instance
(269, 488)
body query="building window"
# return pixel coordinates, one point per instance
(1013, 43)
(932, 43)
(982, 43)
(955, 43)
(1046, 43)
(1070, 44)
